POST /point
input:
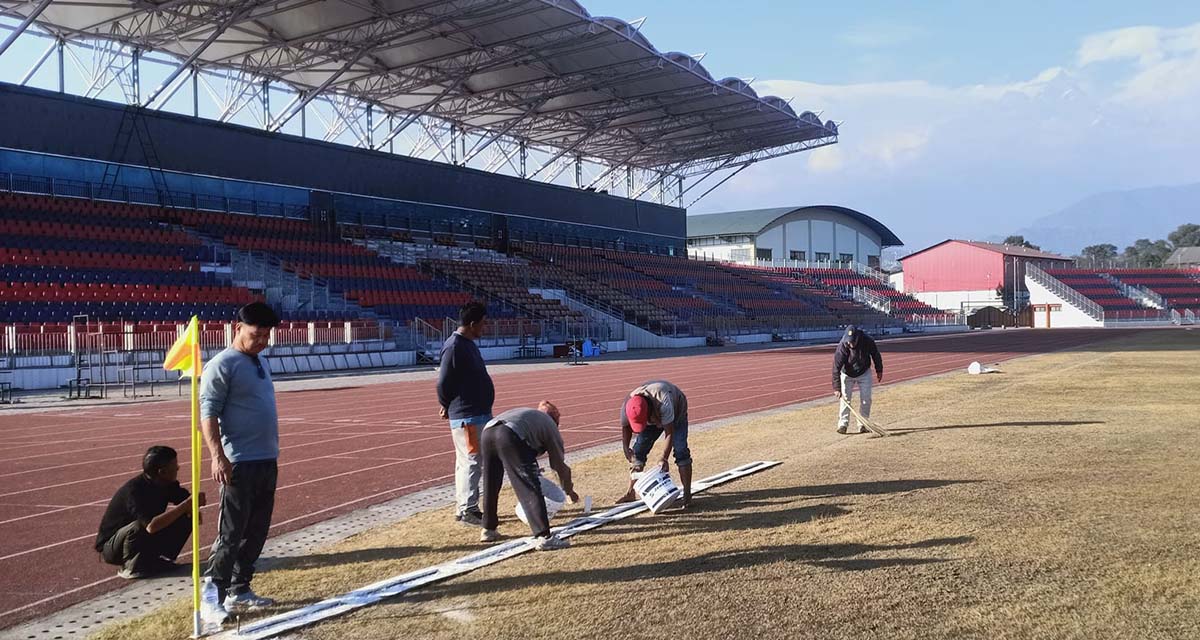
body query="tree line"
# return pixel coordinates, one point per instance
(1142, 253)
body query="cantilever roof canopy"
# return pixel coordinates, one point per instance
(544, 71)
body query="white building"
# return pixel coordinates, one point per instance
(804, 234)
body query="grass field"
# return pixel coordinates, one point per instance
(1056, 499)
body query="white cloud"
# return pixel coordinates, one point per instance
(1137, 43)
(934, 161)
(1167, 61)
(1147, 45)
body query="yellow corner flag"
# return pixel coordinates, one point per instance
(184, 357)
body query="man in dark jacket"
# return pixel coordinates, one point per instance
(852, 367)
(141, 531)
(465, 393)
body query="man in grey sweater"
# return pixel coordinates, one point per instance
(241, 429)
(511, 444)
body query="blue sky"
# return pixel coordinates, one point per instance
(967, 119)
(963, 119)
(962, 42)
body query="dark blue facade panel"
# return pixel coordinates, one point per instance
(53, 123)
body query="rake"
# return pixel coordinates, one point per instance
(870, 424)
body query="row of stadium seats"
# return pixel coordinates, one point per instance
(9, 273)
(58, 310)
(902, 304)
(1094, 286)
(700, 293)
(802, 283)
(62, 257)
(124, 233)
(90, 260)
(187, 253)
(499, 279)
(1178, 289)
(361, 275)
(92, 291)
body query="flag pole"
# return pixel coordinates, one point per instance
(196, 461)
(195, 508)
(184, 357)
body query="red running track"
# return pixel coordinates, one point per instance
(346, 449)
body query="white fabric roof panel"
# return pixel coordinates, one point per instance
(541, 70)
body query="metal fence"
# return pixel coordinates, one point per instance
(935, 319)
(55, 339)
(1137, 315)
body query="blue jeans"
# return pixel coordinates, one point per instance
(465, 434)
(645, 440)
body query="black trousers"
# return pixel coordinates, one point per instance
(502, 450)
(133, 548)
(246, 506)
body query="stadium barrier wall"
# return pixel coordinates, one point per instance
(1066, 316)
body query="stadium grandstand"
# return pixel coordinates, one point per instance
(1079, 297)
(366, 171)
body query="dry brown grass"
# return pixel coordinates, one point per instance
(1054, 500)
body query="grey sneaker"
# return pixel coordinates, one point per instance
(246, 601)
(470, 519)
(842, 430)
(552, 543)
(864, 430)
(489, 535)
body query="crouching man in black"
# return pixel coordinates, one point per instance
(140, 531)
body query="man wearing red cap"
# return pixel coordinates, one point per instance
(653, 409)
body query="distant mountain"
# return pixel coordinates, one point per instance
(1117, 217)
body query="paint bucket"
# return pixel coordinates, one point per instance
(555, 499)
(656, 489)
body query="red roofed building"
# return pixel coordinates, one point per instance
(960, 275)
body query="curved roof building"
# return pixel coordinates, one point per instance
(820, 233)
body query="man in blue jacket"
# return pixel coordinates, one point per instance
(466, 393)
(852, 367)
